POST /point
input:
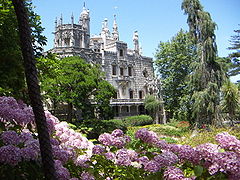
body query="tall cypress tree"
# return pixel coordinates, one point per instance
(207, 76)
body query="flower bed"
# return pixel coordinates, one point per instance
(113, 158)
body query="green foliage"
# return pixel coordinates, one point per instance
(12, 78)
(162, 130)
(173, 61)
(106, 168)
(71, 80)
(235, 56)
(11, 69)
(207, 76)
(168, 130)
(153, 105)
(140, 120)
(94, 127)
(230, 98)
(24, 170)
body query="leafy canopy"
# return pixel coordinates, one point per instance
(73, 81)
(12, 81)
(173, 60)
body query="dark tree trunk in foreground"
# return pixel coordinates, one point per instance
(34, 89)
(69, 112)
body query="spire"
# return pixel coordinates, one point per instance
(61, 20)
(115, 29)
(105, 23)
(56, 22)
(114, 22)
(84, 14)
(72, 19)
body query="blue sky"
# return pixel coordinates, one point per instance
(155, 20)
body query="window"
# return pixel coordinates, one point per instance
(140, 94)
(121, 71)
(151, 91)
(67, 42)
(114, 70)
(115, 95)
(130, 71)
(121, 52)
(128, 109)
(145, 73)
(131, 94)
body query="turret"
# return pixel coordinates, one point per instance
(105, 33)
(84, 21)
(115, 30)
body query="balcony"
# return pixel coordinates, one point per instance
(126, 102)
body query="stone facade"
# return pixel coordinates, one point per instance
(130, 72)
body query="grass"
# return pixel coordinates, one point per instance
(195, 138)
(180, 133)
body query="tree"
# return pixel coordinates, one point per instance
(235, 45)
(73, 81)
(173, 61)
(153, 105)
(34, 88)
(230, 99)
(207, 76)
(12, 80)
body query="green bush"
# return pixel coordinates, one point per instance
(93, 128)
(140, 120)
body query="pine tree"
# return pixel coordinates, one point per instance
(235, 56)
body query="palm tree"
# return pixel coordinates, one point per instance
(34, 89)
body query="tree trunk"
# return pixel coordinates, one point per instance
(164, 117)
(69, 112)
(34, 89)
(157, 117)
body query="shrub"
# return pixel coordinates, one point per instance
(140, 120)
(93, 127)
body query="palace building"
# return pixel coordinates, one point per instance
(130, 72)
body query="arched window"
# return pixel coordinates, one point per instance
(121, 71)
(145, 73)
(114, 70)
(121, 52)
(131, 94)
(140, 94)
(130, 71)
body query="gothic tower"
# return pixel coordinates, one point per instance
(84, 21)
(115, 33)
(73, 35)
